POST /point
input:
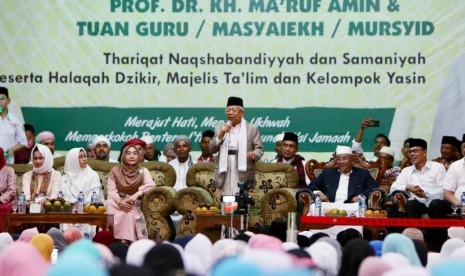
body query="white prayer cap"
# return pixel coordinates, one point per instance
(147, 139)
(278, 138)
(388, 150)
(101, 138)
(343, 150)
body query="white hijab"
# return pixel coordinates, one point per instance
(48, 159)
(76, 179)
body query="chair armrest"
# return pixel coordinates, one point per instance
(188, 199)
(159, 200)
(277, 203)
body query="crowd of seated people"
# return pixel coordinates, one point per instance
(267, 252)
(419, 186)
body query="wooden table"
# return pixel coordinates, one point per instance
(205, 223)
(104, 221)
(307, 222)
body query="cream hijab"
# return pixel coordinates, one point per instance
(48, 159)
(77, 179)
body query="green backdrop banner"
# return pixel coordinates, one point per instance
(319, 129)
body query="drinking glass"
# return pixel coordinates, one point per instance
(455, 207)
(14, 206)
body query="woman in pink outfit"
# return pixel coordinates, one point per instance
(127, 183)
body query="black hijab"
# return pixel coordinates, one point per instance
(354, 252)
(164, 259)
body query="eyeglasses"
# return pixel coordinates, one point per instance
(232, 110)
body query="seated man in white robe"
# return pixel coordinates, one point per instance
(181, 164)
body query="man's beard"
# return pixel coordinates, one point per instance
(102, 155)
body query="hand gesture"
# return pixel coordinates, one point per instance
(224, 129)
(365, 123)
(125, 206)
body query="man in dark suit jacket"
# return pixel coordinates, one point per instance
(239, 145)
(344, 183)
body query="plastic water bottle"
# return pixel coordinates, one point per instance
(54, 257)
(80, 207)
(22, 203)
(462, 203)
(362, 206)
(291, 233)
(60, 195)
(318, 204)
(94, 197)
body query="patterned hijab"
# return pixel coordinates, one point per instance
(48, 162)
(128, 178)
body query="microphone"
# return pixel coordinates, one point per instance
(229, 123)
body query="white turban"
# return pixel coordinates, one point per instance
(387, 150)
(101, 138)
(343, 150)
(44, 135)
(147, 139)
(278, 138)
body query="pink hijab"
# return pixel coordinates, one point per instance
(22, 259)
(373, 266)
(27, 234)
(72, 234)
(261, 241)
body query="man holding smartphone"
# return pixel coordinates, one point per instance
(381, 140)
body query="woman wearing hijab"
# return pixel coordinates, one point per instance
(79, 258)
(325, 256)
(422, 251)
(43, 179)
(27, 234)
(44, 243)
(5, 241)
(355, 251)
(127, 183)
(22, 259)
(78, 176)
(72, 234)
(7, 187)
(403, 245)
(373, 266)
(7, 183)
(137, 251)
(164, 259)
(59, 239)
(104, 237)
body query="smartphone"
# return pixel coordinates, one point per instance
(374, 123)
